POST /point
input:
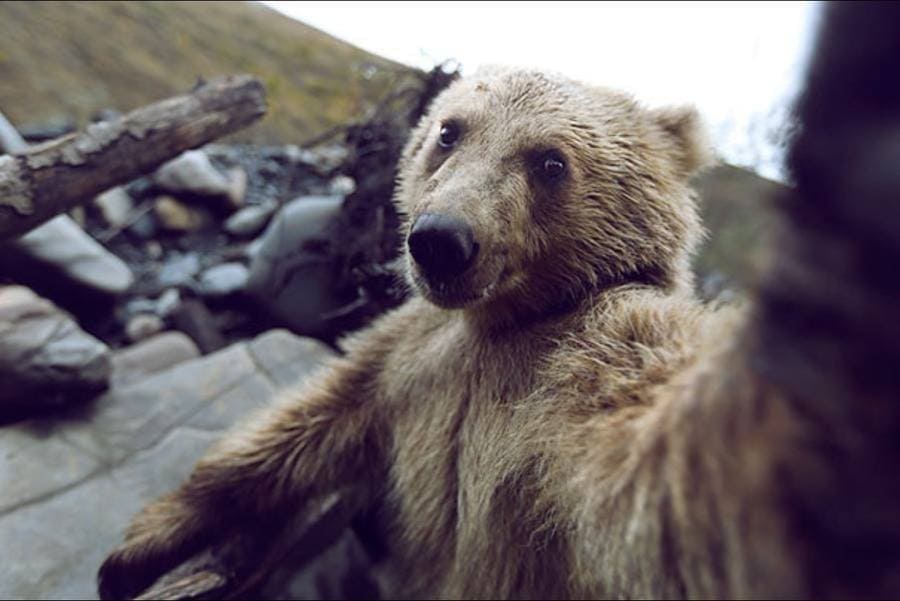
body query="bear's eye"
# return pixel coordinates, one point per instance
(551, 166)
(449, 135)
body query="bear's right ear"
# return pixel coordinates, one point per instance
(686, 135)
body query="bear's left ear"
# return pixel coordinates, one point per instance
(686, 136)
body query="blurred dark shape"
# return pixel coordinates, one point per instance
(194, 319)
(830, 310)
(367, 239)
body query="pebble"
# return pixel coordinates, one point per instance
(192, 173)
(115, 206)
(250, 220)
(179, 270)
(143, 326)
(237, 186)
(341, 185)
(223, 279)
(173, 216)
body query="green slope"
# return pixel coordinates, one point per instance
(73, 58)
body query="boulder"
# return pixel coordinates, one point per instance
(292, 274)
(69, 486)
(155, 354)
(46, 360)
(64, 250)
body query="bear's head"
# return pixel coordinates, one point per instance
(523, 192)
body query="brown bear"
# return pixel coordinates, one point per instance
(552, 414)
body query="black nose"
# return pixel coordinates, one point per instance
(442, 245)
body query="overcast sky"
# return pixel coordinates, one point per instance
(737, 61)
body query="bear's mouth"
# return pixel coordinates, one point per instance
(459, 292)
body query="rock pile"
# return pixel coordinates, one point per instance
(228, 241)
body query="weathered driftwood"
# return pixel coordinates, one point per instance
(249, 553)
(51, 178)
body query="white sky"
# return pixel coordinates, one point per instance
(737, 61)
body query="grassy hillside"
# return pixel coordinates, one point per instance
(73, 58)
(736, 207)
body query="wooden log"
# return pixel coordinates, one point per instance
(51, 178)
(242, 559)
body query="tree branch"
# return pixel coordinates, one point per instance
(51, 178)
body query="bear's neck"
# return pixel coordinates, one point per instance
(519, 311)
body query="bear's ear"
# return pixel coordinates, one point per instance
(686, 136)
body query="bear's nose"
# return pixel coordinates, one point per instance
(442, 245)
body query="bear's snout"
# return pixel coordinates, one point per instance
(442, 245)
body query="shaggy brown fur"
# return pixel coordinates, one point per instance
(563, 419)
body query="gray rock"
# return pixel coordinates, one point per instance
(62, 244)
(11, 141)
(143, 326)
(50, 129)
(192, 173)
(36, 462)
(292, 274)
(223, 279)
(168, 302)
(179, 270)
(69, 487)
(250, 220)
(46, 360)
(140, 305)
(115, 205)
(150, 356)
(276, 351)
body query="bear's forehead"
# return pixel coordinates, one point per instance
(532, 94)
(522, 90)
(519, 110)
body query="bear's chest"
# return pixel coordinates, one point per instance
(457, 444)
